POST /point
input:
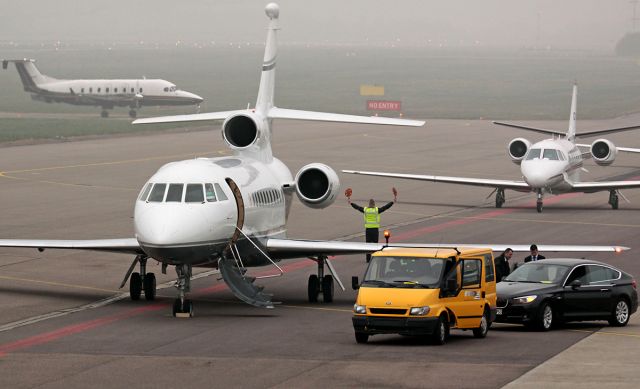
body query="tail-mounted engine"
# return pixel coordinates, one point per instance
(518, 149)
(603, 152)
(317, 185)
(243, 130)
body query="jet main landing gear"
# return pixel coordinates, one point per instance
(613, 199)
(500, 198)
(142, 281)
(321, 283)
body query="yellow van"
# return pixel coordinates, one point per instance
(426, 292)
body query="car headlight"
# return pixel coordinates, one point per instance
(359, 308)
(419, 311)
(524, 299)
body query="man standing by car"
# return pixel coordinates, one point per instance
(534, 254)
(502, 264)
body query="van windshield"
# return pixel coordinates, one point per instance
(404, 272)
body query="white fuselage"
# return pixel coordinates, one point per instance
(552, 165)
(195, 228)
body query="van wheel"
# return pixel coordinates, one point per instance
(620, 315)
(361, 337)
(441, 332)
(481, 332)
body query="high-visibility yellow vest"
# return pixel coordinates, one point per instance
(371, 218)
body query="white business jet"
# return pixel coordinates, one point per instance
(550, 166)
(134, 93)
(231, 212)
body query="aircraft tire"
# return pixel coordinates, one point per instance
(327, 288)
(149, 286)
(135, 286)
(313, 288)
(539, 207)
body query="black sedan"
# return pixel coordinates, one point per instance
(551, 291)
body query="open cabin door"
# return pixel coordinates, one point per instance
(237, 195)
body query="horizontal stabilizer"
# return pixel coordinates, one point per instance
(196, 117)
(527, 128)
(280, 113)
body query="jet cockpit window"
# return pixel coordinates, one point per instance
(561, 156)
(166, 89)
(173, 89)
(550, 154)
(210, 194)
(145, 192)
(157, 193)
(174, 194)
(533, 154)
(220, 193)
(194, 194)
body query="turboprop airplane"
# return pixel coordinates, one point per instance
(103, 93)
(231, 212)
(550, 166)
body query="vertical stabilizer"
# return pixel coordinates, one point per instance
(571, 134)
(264, 101)
(30, 76)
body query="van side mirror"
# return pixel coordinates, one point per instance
(355, 283)
(575, 284)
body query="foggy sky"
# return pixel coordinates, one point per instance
(562, 24)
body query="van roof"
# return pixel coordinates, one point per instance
(430, 252)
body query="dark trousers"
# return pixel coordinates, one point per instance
(371, 236)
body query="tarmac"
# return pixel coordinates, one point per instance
(65, 324)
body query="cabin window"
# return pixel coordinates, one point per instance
(98, 90)
(220, 193)
(90, 90)
(157, 193)
(174, 194)
(106, 90)
(81, 90)
(132, 90)
(533, 153)
(209, 193)
(140, 90)
(115, 90)
(194, 194)
(145, 192)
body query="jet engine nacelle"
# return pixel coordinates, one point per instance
(603, 152)
(518, 149)
(317, 185)
(243, 130)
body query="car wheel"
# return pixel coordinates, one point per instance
(481, 332)
(361, 337)
(545, 320)
(439, 336)
(620, 315)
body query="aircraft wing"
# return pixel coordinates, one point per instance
(196, 117)
(534, 129)
(292, 248)
(590, 134)
(624, 149)
(486, 182)
(280, 113)
(125, 246)
(604, 185)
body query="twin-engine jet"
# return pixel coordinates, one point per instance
(134, 93)
(231, 212)
(550, 166)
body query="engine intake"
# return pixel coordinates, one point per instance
(317, 185)
(518, 149)
(603, 152)
(242, 130)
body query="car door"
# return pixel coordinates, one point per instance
(600, 290)
(588, 300)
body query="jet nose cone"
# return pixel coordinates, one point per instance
(193, 97)
(534, 176)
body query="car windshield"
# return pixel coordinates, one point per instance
(404, 272)
(538, 271)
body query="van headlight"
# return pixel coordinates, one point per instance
(525, 299)
(362, 309)
(419, 311)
